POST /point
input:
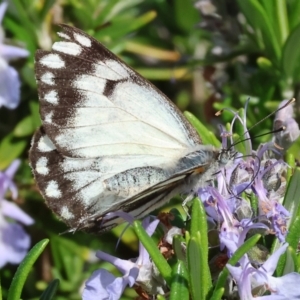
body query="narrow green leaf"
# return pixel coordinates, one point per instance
(237, 255)
(20, 12)
(34, 110)
(259, 20)
(281, 19)
(24, 127)
(15, 289)
(10, 149)
(179, 286)
(185, 15)
(50, 291)
(120, 28)
(160, 297)
(114, 8)
(218, 294)
(207, 136)
(292, 196)
(291, 202)
(290, 160)
(293, 7)
(160, 262)
(292, 238)
(195, 268)
(164, 73)
(298, 263)
(291, 263)
(199, 226)
(47, 5)
(177, 246)
(290, 54)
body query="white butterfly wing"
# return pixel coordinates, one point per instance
(107, 133)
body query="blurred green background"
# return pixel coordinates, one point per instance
(204, 55)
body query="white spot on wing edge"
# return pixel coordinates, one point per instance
(52, 190)
(48, 117)
(51, 97)
(65, 213)
(83, 40)
(63, 35)
(41, 166)
(48, 78)
(69, 48)
(45, 145)
(52, 61)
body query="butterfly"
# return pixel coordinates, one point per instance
(110, 140)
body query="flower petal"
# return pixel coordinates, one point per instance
(3, 7)
(271, 263)
(9, 86)
(11, 210)
(12, 52)
(95, 286)
(14, 243)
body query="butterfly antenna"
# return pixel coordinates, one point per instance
(218, 113)
(282, 128)
(272, 113)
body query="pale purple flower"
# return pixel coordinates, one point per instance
(290, 133)
(9, 78)
(250, 280)
(14, 241)
(103, 285)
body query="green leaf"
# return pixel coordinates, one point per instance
(163, 73)
(291, 54)
(69, 259)
(160, 262)
(10, 149)
(34, 110)
(259, 20)
(292, 196)
(199, 243)
(207, 136)
(24, 127)
(199, 226)
(194, 256)
(179, 286)
(291, 264)
(114, 8)
(15, 289)
(46, 7)
(218, 294)
(291, 203)
(120, 28)
(186, 15)
(50, 291)
(177, 247)
(293, 7)
(292, 238)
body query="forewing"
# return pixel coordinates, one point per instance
(92, 104)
